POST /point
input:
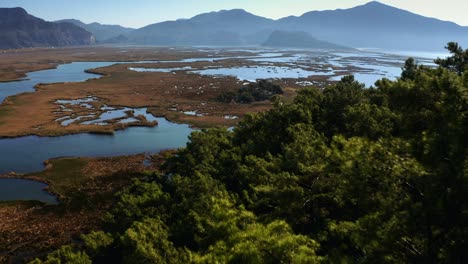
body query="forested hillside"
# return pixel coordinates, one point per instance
(346, 174)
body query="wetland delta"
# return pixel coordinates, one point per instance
(77, 124)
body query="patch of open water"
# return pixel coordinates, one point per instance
(25, 190)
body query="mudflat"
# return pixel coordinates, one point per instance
(172, 94)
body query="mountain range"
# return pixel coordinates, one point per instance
(373, 25)
(380, 26)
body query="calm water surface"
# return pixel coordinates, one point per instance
(25, 190)
(72, 72)
(27, 154)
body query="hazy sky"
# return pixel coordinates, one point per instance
(138, 13)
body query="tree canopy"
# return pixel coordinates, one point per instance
(458, 62)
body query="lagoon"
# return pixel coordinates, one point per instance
(72, 72)
(27, 154)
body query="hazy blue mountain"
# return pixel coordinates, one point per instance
(18, 29)
(103, 33)
(226, 27)
(377, 25)
(298, 39)
(370, 25)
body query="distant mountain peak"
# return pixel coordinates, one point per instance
(375, 5)
(14, 10)
(226, 14)
(73, 21)
(235, 10)
(228, 11)
(20, 29)
(223, 12)
(14, 13)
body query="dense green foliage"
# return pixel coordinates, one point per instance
(256, 91)
(66, 254)
(458, 62)
(341, 175)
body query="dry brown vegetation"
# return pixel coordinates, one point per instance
(165, 94)
(14, 64)
(86, 187)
